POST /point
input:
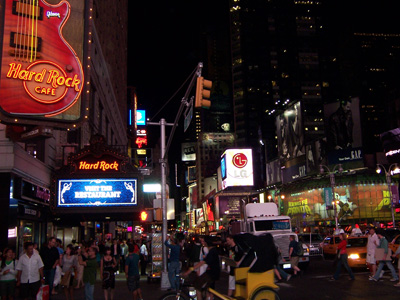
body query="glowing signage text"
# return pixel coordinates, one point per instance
(42, 80)
(97, 192)
(100, 165)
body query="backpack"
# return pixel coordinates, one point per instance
(300, 250)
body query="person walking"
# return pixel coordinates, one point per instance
(69, 265)
(79, 270)
(107, 275)
(293, 257)
(116, 252)
(143, 258)
(373, 242)
(235, 253)
(342, 260)
(30, 274)
(279, 272)
(89, 272)
(8, 275)
(174, 263)
(51, 258)
(132, 272)
(212, 273)
(124, 253)
(386, 259)
(203, 253)
(398, 264)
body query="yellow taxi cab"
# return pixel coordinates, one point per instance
(329, 245)
(356, 249)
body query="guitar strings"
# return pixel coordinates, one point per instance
(18, 36)
(26, 30)
(33, 27)
(36, 27)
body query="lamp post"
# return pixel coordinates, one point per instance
(332, 180)
(391, 168)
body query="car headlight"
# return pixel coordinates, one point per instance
(354, 256)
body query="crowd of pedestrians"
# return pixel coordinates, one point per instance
(73, 267)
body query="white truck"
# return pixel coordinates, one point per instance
(261, 218)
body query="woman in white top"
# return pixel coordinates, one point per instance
(8, 275)
(79, 271)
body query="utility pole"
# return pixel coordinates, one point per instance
(163, 161)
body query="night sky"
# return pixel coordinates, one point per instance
(164, 41)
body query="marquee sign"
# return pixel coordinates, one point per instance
(41, 75)
(96, 192)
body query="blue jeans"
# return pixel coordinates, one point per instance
(89, 291)
(389, 265)
(49, 278)
(343, 261)
(283, 274)
(173, 271)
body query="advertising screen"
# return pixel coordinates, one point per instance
(290, 133)
(96, 192)
(238, 168)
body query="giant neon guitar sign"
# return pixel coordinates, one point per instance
(40, 72)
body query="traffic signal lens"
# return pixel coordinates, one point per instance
(143, 216)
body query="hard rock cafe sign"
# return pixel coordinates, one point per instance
(41, 75)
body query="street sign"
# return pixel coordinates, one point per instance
(188, 117)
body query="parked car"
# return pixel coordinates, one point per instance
(313, 242)
(356, 249)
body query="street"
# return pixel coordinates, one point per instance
(313, 284)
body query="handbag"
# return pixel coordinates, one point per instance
(66, 279)
(43, 293)
(380, 253)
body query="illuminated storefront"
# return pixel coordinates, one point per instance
(362, 203)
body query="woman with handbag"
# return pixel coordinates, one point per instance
(107, 273)
(69, 264)
(342, 259)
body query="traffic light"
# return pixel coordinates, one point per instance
(144, 216)
(203, 93)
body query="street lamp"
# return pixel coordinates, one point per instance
(395, 169)
(332, 179)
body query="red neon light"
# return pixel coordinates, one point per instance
(140, 141)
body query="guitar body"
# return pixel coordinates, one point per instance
(41, 74)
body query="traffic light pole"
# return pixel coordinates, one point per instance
(163, 161)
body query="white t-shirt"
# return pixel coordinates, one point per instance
(373, 242)
(30, 267)
(143, 250)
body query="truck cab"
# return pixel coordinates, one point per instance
(261, 218)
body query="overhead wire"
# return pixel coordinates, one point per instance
(177, 91)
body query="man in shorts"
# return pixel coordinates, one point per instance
(212, 273)
(293, 257)
(373, 242)
(132, 271)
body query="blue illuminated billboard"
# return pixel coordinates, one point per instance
(141, 117)
(97, 192)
